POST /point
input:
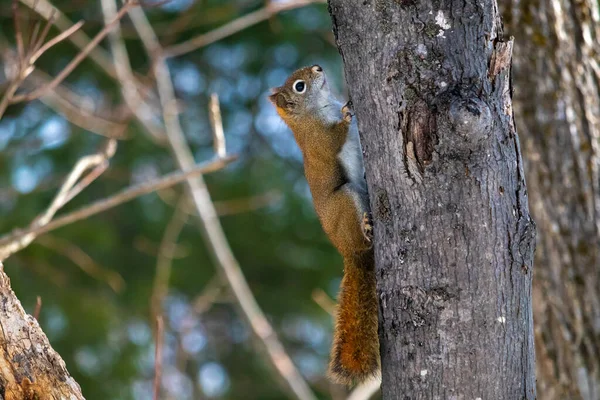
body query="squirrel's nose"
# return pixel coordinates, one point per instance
(317, 68)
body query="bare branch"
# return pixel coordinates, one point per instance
(70, 105)
(47, 11)
(37, 41)
(235, 26)
(129, 88)
(226, 207)
(146, 246)
(158, 356)
(18, 32)
(166, 253)
(38, 308)
(365, 390)
(8, 94)
(13, 242)
(83, 260)
(324, 301)
(64, 195)
(210, 294)
(55, 40)
(216, 124)
(34, 29)
(213, 232)
(77, 60)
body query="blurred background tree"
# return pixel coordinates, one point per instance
(96, 277)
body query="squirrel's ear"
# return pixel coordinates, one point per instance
(279, 100)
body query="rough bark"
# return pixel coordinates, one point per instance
(557, 104)
(29, 368)
(430, 85)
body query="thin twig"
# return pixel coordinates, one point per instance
(12, 240)
(55, 40)
(77, 60)
(212, 231)
(365, 390)
(235, 26)
(18, 32)
(216, 123)
(38, 308)
(8, 94)
(46, 10)
(87, 180)
(70, 105)
(39, 41)
(83, 260)
(146, 246)
(324, 301)
(227, 207)
(130, 90)
(62, 197)
(209, 296)
(158, 356)
(166, 253)
(34, 28)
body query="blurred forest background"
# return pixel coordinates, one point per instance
(103, 280)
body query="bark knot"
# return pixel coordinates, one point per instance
(419, 127)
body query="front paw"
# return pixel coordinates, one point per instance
(367, 227)
(347, 112)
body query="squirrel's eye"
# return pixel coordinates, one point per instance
(317, 68)
(299, 86)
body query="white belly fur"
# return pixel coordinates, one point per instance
(351, 158)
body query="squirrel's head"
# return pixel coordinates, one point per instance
(304, 92)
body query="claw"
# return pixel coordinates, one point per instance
(347, 112)
(367, 227)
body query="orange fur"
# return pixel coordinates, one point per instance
(355, 351)
(341, 204)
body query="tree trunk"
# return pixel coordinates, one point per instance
(29, 367)
(557, 103)
(430, 85)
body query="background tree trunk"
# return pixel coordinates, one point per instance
(557, 103)
(430, 84)
(29, 367)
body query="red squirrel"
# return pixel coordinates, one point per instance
(333, 166)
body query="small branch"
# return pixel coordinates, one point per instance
(365, 390)
(9, 242)
(227, 207)
(46, 10)
(37, 41)
(69, 104)
(324, 301)
(77, 60)
(55, 40)
(64, 195)
(7, 97)
(38, 308)
(166, 253)
(216, 123)
(204, 301)
(158, 356)
(18, 32)
(235, 26)
(84, 261)
(146, 246)
(129, 88)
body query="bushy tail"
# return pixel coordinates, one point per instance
(355, 351)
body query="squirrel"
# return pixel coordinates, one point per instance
(333, 166)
